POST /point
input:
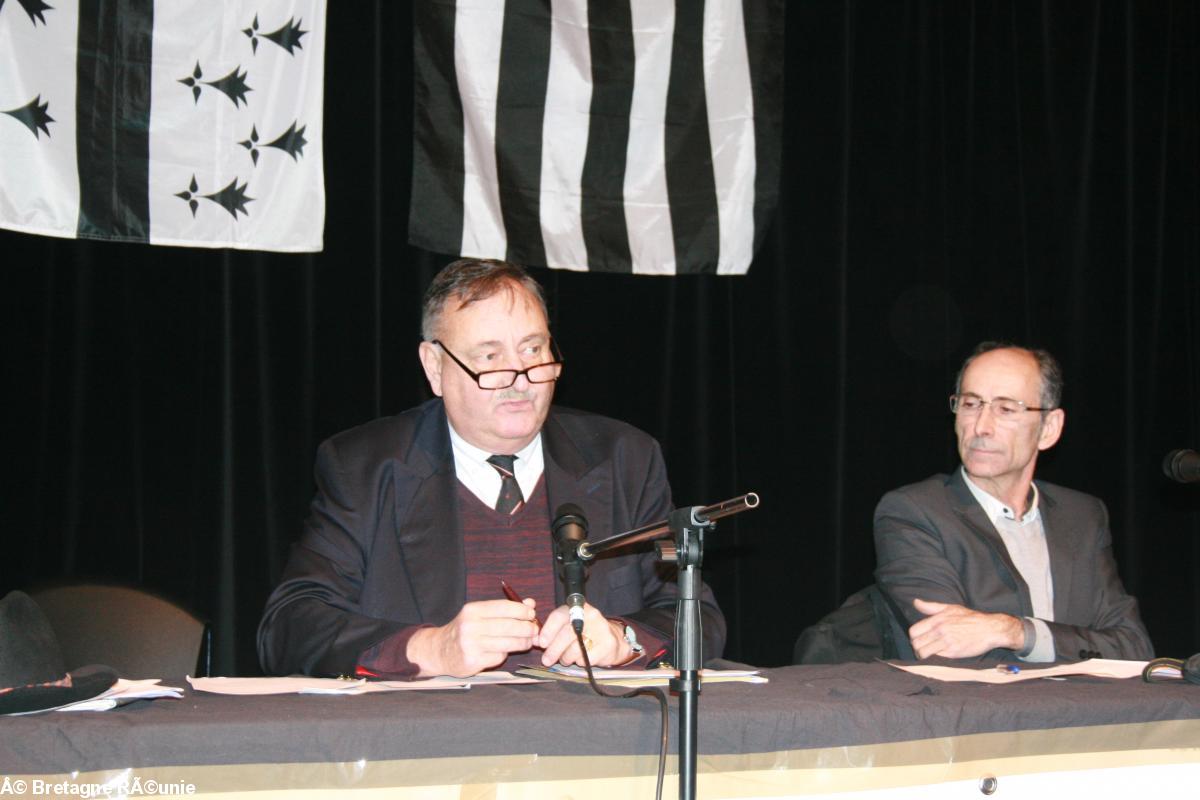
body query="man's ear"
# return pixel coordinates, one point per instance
(1052, 428)
(431, 361)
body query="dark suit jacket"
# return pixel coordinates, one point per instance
(934, 541)
(382, 548)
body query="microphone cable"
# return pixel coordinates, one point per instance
(656, 692)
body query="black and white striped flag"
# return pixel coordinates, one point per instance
(634, 136)
(181, 122)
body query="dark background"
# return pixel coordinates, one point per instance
(952, 171)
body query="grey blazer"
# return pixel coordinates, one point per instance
(934, 541)
(382, 548)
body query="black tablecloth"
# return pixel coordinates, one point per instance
(801, 708)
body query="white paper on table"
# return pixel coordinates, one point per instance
(607, 674)
(1094, 667)
(499, 676)
(634, 678)
(339, 686)
(371, 687)
(125, 691)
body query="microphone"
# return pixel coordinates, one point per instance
(570, 530)
(1182, 466)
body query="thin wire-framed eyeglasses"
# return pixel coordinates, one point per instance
(546, 372)
(968, 404)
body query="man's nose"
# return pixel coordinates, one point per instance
(522, 383)
(985, 420)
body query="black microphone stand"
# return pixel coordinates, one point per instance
(687, 526)
(688, 529)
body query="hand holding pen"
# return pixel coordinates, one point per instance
(516, 598)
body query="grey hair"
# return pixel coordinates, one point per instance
(470, 280)
(1048, 367)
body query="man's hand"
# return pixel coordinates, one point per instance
(604, 638)
(480, 637)
(956, 631)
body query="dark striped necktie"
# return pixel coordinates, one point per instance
(510, 499)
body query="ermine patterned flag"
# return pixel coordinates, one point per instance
(178, 122)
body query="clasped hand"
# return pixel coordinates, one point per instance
(485, 632)
(604, 639)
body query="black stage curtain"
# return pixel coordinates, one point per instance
(952, 172)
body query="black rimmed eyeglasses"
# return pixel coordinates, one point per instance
(546, 372)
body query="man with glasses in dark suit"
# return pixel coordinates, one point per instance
(427, 549)
(989, 563)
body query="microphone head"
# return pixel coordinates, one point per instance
(1182, 465)
(570, 514)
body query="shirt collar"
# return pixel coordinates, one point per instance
(996, 509)
(463, 448)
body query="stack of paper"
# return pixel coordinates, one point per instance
(342, 686)
(122, 692)
(634, 678)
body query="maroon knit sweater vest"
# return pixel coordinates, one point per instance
(516, 548)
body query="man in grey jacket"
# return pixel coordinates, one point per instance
(988, 563)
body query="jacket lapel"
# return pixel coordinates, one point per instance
(1060, 547)
(976, 520)
(426, 514)
(571, 477)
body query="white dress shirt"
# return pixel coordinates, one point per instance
(473, 470)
